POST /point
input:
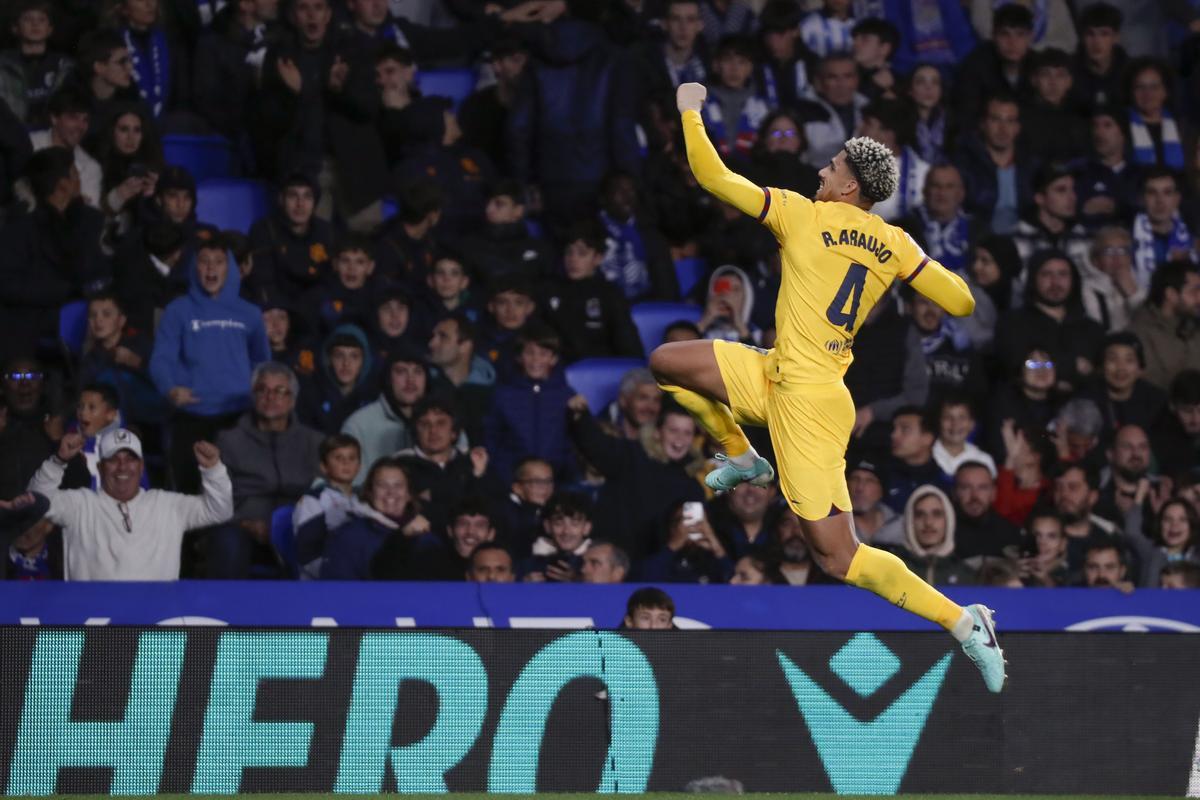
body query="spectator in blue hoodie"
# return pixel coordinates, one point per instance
(208, 343)
(529, 407)
(343, 382)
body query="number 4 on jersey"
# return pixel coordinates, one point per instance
(851, 290)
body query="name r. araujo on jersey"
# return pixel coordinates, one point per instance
(853, 238)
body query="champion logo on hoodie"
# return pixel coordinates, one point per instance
(224, 324)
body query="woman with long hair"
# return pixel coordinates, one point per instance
(1174, 536)
(131, 159)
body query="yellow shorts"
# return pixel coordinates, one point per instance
(810, 427)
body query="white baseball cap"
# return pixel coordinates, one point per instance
(114, 442)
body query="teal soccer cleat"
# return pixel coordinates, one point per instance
(726, 477)
(983, 648)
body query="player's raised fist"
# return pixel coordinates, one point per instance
(690, 96)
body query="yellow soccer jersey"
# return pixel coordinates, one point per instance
(838, 260)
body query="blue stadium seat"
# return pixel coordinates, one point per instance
(232, 204)
(652, 320)
(206, 157)
(598, 379)
(689, 272)
(72, 325)
(456, 84)
(284, 541)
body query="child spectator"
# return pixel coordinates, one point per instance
(528, 413)
(206, 346)
(589, 313)
(566, 535)
(97, 412)
(956, 422)
(346, 295)
(32, 70)
(291, 245)
(447, 290)
(733, 110)
(509, 308)
(649, 609)
(343, 383)
(326, 505)
(520, 517)
(113, 355)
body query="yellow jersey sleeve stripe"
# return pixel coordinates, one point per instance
(766, 204)
(917, 271)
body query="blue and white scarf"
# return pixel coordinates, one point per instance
(1149, 251)
(769, 82)
(625, 257)
(951, 332)
(741, 138)
(931, 137)
(949, 243)
(151, 68)
(1143, 142)
(1040, 17)
(825, 35)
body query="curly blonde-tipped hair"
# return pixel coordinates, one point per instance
(874, 166)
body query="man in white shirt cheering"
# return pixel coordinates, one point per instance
(120, 532)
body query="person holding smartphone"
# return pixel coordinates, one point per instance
(693, 552)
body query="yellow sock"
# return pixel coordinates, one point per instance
(714, 417)
(886, 575)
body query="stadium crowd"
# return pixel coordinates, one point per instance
(373, 378)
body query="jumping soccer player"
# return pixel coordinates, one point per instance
(838, 259)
